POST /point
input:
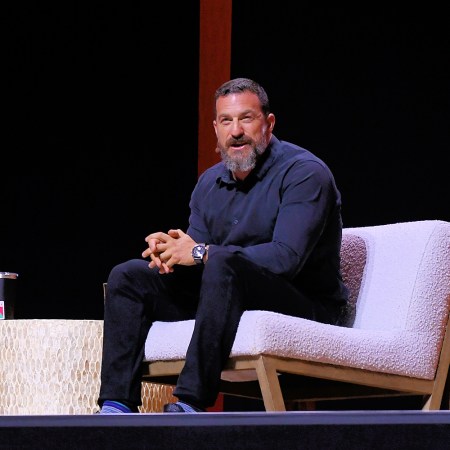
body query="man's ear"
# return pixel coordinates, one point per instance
(271, 120)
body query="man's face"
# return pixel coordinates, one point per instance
(243, 131)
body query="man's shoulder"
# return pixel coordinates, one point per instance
(213, 170)
(299, 163)
(293, 152)
(212, 173)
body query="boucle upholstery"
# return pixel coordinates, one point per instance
(399, 280)
(353, 262)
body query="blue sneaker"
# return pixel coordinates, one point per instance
(112, 407)
(181, 407)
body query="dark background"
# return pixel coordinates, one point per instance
(99, 140)
(99, 146)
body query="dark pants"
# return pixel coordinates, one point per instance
(215, 295)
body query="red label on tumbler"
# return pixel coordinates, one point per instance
(8, 282)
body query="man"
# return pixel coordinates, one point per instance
(264, 233)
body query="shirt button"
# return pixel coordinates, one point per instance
(235, 221)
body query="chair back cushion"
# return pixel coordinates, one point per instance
(406, 281)
(353, 262)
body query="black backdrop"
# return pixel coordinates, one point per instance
(100, 140)
(100, 146)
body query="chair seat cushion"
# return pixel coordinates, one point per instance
(265, 332)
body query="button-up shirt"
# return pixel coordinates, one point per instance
(285, 216)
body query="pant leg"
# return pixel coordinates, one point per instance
(230, 285)
(136, 296)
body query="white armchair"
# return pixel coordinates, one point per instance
(393, 340)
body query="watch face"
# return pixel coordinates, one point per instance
(198, 252)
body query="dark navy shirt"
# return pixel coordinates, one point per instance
(285, 216)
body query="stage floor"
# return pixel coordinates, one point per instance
(244, 430)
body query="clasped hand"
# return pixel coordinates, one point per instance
(167, 249)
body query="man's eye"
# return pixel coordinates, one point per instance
(248, 119)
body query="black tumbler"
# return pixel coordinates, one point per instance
(7, 294)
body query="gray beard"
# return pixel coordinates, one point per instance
(242, 163)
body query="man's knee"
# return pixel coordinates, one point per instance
(128, 271)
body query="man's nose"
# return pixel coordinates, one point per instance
(236, 128)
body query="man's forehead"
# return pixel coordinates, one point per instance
(238, 103)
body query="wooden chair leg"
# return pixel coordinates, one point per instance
(440, 388)
(269, 385)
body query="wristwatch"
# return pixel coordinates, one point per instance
(198, 252)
